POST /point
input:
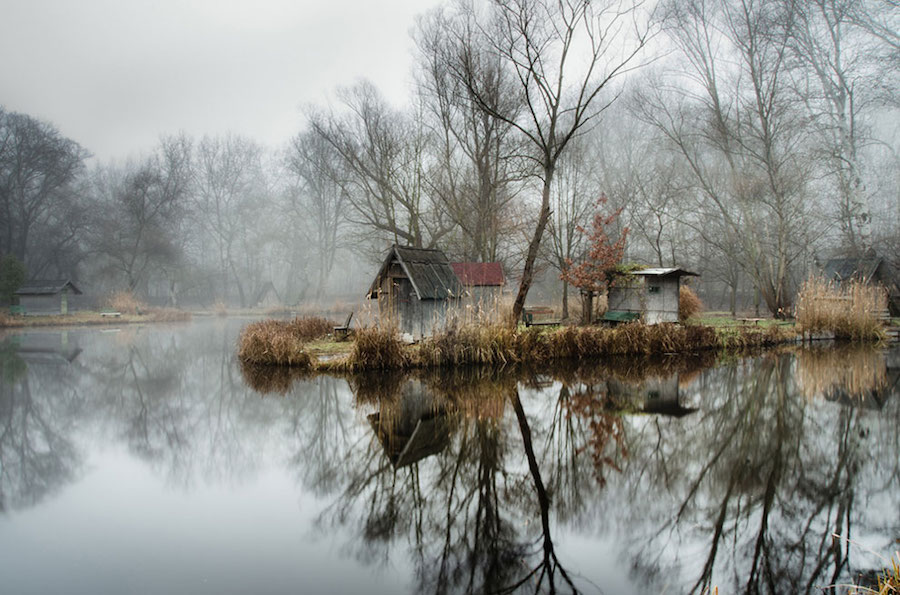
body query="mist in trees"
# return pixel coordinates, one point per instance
(747, 141)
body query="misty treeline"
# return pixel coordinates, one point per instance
(748, 140)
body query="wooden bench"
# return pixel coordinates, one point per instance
(619, 316)
(753, 321)
(343, 330)
(539, 316)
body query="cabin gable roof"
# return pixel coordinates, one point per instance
(428, 270)
(47, 287)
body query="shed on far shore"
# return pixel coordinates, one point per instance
(416, 288)
(484, 283)
(46, 296)
(649, 294)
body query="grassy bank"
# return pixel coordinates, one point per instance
(88, 318)
(298, 343)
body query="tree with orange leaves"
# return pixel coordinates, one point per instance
(593, 274)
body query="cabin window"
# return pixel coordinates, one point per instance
(653, 289)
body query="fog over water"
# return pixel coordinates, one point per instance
(145, 459)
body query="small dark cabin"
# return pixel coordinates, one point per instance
(416, 288)
(46, 296)
(870, 269)
(649, 294)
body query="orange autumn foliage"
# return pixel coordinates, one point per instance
(593, 274)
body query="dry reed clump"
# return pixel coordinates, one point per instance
(849, 312)
(308, 328)
(271, 343)
(743, 338)
(126, 303)
(377, 348)
(493, 344)
(688, 303)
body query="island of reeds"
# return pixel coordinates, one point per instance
(823, 310)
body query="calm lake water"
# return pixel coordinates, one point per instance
(145, 460)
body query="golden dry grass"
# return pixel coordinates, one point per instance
(125, 302)
(849, 312)
(689, 305)
(271, 343)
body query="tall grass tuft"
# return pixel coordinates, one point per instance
(689, 304)
(493, 344)
(272, 343)
(377, 348)
(849, 312)
(126, 303)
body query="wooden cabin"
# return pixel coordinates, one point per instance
(416, 289)
(46, 297)
(870, 269)
(482, 280)
(650, 295)
(484, 283)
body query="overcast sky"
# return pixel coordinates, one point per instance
(116, 74)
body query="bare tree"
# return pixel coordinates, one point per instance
(316, 200)
(40, 214)
(562, 55)
(139, 211)
(838, 95)
(229, 188)
(732, 117)
(474, 166)
(383, 153)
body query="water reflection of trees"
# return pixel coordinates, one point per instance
(37, 456)
(741, 487)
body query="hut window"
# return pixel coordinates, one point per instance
(653, 289)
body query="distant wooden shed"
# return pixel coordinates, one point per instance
(46, 296)
(652, 295)
(484, 283)
(869, 269)
(416, 288)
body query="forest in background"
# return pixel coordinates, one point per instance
(746, 140)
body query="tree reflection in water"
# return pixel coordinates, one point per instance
(734, 476)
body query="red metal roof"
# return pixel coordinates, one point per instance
(479, 274)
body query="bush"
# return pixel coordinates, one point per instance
(270, 342)
(376, 348)
(850, 311)
(126, 303)
(689, 304)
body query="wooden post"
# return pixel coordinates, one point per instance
(587, 306)
(64, 302)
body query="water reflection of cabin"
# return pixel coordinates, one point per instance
(416, 288)
(650, 295)
(413, 427)
(660, 396)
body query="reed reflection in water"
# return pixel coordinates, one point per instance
(622, 476)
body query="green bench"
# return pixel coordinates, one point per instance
(616, 316)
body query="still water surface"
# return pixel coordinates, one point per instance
(145, 460)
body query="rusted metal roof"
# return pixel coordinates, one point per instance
(47, 287)
(427, 269)
(479, 274)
